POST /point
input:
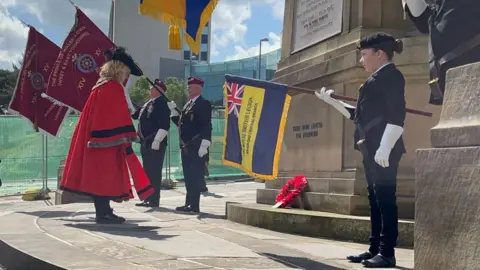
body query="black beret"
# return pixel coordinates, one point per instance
(121, 55)
(377, 41)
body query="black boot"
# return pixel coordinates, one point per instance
(109, 218)
(380, 261)
(367, 255)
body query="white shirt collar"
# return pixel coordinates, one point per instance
(193, 99)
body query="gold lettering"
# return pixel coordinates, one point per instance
(81, 83)
(46, 68)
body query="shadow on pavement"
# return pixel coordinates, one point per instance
(126, 229)
(299, 263)
(55, 214)
(211, 194)
(199, 216)
(210, 216)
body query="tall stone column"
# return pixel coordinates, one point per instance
(318, 140)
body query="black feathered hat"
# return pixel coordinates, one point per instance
(121, 55)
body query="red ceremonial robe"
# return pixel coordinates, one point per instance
(100, 152)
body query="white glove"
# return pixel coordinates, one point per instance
(417, 7)
(203, 150)
(172, 106)
(390, 136)
(161, 134)
(340, 106)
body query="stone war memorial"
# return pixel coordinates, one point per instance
(438, 189)
(318, 139)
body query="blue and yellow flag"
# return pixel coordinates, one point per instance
(191, 15)
(255, 122)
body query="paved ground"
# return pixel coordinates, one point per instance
(164, 239)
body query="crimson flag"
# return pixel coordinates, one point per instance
(39, 57)
(78, 64)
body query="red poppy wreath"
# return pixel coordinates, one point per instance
(290, 191)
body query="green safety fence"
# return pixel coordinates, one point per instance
(22, 149)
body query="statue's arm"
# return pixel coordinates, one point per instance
(419, 12)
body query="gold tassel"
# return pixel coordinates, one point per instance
(174, 40)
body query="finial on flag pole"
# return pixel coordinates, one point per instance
(73, 4)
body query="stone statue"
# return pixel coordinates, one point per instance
(454, 28)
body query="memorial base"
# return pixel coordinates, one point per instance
(65, 197)
(447, 217)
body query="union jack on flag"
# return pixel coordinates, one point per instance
(234, 97)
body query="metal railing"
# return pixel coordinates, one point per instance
(31, 160)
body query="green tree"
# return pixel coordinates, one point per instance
(8, 81)
(176, 91)
(140, 91)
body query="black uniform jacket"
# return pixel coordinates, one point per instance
(195, 123)
(382, 100)
(154, 115)
(450, 23)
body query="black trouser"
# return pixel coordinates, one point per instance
(102, 206)
(194, 174)
(153, 166)
(382, 187)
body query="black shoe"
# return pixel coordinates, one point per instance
(205, 189)
(142, 204)
(361, 257)
(380, 261)
(184, 208)
(147, 204)
(109, 219)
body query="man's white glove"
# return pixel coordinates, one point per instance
(340, 106)
(161, 134)
(172, 106)
(203, 150)
(417, 7)
(390, 136)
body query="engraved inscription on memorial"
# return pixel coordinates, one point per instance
(307, 130)
(315, 21)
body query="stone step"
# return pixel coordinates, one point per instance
(348, 186)
(322, 185)
(336, 203)
(312, 223)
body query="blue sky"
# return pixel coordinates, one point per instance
(237, 25)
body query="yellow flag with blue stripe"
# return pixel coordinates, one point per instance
(256, 115)
(191, 15)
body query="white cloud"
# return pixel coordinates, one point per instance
(229, 23)
(13, 37)
(56, 14)
(274, 43)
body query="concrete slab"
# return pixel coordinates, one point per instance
(66, 237)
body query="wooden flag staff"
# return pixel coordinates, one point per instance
(344, 98)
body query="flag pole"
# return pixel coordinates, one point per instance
(345, 98)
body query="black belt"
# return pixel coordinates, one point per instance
(361, 143)
(436, 65)
(375, 121)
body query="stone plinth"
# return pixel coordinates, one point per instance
(318, 139)
(312, 223)
(447, 219)
(64, 197)
(338, 193)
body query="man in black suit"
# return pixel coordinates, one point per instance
(195, 128)
(379, 117)
(454, 28)
(153, 127)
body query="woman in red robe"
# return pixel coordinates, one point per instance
(100, 153)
